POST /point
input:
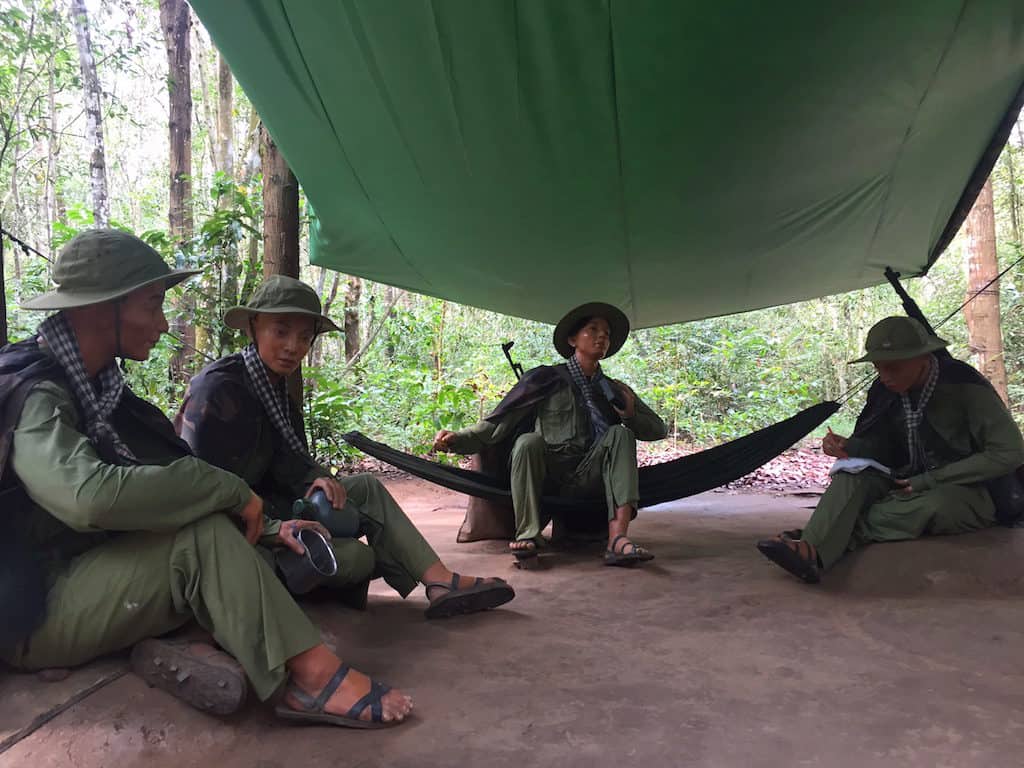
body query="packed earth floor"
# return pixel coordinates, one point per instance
(907, 655)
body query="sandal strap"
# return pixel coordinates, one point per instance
(452, 586)
(332, 686)
(623, 551)
(316, 704)
(372, 699)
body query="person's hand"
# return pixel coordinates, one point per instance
(629, 397)
(333, 490)
(834, 445)
(443, 440)
(251, 516)
(902, 486)
(288, 534)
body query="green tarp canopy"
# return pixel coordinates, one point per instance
(680, 159)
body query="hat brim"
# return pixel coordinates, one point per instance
(618, 327)
(59, 299)
(881, 356)
(238, 317)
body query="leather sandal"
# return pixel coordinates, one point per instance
(312, 711)
(792, 558)
(481, 595)
(626, 557)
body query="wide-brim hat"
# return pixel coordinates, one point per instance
(280, 295)
(103, 265)
(899, 338)
(618, 325)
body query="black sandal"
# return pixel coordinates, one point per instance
(481, 595)
(790, 558)
(624, 558)
(313, 708)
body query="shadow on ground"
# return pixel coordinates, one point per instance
(909, 655)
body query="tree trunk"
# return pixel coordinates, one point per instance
(982, 313)
(3, 298)
(280, 225)
(176, 21)
(1011, 173)
(52, 149)
(280, 211)
(93, 115)
(225, 117)
(353, 291)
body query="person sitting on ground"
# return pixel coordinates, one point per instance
(237, 416)
(943, 430)
(135, 536)
(580, 432)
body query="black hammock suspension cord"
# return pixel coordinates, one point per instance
(845, 397)
(26, 248)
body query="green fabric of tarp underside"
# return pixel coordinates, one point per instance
(679, 159)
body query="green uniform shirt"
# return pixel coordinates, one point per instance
(562, 420)
(73, 488)
(969, 418)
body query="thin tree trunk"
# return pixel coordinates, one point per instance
(225, 117)
(1011, 173)
(280, 224)
(52, 149)
(982, 313)
(3, 298)
(353, 292)
(211, 124)
(16, 204)
(280, 211)
(176, 21)
(93, 115)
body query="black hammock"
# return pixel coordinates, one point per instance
(676, 479)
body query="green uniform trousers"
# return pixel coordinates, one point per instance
(396, 550)
(140, 585)
(859, 509)
(610, 464)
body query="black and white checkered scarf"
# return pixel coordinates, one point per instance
(274, 401)
(598, 423)
(913, 417)
(97, 405)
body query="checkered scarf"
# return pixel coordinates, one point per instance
(274, 402)
(598, 423)
(98, 405)
(914, 417)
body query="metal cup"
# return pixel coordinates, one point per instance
(303, 573)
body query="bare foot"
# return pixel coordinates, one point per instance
(522, 545)
(395, 705)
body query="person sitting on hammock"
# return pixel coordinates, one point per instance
(237, 415)
(580, 432)
(943, 428)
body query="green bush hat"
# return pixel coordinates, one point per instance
(280, 295)
(899, 338)
(618, 325)
(102, 265)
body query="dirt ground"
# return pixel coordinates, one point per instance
(909, 655)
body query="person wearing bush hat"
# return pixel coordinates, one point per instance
(582, 436)
(946, 455)
(238, 416)
(130, 535)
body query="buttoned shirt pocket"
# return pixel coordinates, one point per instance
(557, 419)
